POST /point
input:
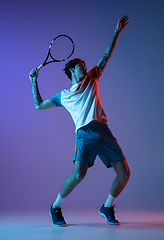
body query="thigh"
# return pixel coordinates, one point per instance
(86, 146)
(109, 151)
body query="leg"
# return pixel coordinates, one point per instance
(123, 174)
(77, 176)
(70, 183)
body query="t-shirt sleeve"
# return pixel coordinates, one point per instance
(56, 100)
(95, 73)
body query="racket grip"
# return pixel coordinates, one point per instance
(40, 67)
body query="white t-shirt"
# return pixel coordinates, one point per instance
(83, 100)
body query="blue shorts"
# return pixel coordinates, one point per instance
(96, 139)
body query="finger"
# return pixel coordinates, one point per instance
(33, 73)
(123, 27)
(126, 23)
(125, 16)
(33, 70)
(126, 19)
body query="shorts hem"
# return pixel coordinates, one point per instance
(89, 165)
(109, 165)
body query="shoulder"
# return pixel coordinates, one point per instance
(94, 73)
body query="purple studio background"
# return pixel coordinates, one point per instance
(37, 147)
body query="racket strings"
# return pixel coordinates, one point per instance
(61, 48)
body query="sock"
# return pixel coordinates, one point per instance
(58, 201)
(110, 201)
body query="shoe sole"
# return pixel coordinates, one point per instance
(56, 225)
(111, 223)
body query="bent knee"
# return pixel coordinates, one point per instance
(78, 177)
(80, 170)
(126, 175)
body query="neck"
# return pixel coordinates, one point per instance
(75, 80)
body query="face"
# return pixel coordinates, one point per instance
(80, 71)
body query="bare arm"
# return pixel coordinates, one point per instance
(110, 48)
(38, 102)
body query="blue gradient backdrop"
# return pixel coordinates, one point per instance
(36, 147)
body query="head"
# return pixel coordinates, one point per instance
(75, 69)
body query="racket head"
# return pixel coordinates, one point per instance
(61, 48)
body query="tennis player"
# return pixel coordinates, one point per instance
(93, 137)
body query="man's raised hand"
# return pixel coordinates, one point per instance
(123, 21)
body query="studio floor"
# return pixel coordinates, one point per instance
(84, 225)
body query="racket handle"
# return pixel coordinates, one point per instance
(40, 67)
(37, 69)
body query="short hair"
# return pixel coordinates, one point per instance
(71, 64)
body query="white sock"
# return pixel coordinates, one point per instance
(58, 201)
(110, 201)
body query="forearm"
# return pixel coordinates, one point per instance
(36, 95)
(108, 51)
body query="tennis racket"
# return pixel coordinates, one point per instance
(61, 48)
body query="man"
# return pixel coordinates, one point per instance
(93, 136)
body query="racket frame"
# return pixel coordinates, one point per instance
(49, 52)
